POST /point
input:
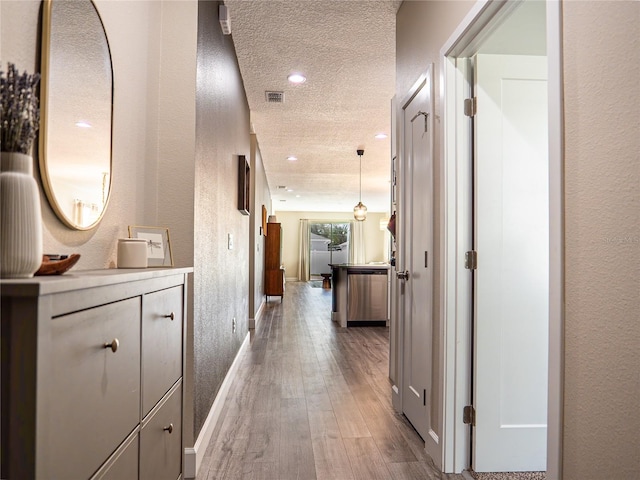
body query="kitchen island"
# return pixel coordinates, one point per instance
(360, 294)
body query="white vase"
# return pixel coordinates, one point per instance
(20, 217)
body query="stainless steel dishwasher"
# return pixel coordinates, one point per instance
(367, 294)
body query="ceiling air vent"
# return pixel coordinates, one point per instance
(274, 97)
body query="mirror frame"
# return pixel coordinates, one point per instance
(45, 59)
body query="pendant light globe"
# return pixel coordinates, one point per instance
(360, 212)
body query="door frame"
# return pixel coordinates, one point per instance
(456, 229)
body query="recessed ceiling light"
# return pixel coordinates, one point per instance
(289, 189)
(291, 158)
(83, 124)
(297, 196)
(381, 135)
(297, 78)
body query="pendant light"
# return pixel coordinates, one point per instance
(360, 211)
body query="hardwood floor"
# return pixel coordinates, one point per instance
(312, 401)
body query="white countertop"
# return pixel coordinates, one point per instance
(362, 266)
(79, 279)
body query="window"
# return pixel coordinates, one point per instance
(328, 244)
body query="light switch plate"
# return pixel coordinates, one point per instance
(230, 241)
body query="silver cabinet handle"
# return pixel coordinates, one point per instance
(169, 428)
(403, 275)
(171, 316)
(113, 345)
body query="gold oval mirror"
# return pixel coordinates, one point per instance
(76, 96)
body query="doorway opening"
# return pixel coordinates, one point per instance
(484, 203)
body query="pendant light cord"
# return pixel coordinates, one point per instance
(360, 211)
(360, 199)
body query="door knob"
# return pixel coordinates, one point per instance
(403, 275)
(113, 345)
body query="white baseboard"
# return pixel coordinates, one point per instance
(193, 456)
(254, 321)
(190, 469)
(396, 401)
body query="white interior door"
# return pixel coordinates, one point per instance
(512, 276)
(416, 218)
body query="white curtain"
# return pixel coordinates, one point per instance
(356, 246)
(303, 253)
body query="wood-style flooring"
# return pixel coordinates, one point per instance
(312, 401)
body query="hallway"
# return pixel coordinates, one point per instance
(312, 401)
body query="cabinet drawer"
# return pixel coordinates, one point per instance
(93, 399)
(123, 465)
(161, 344)
(161, 448)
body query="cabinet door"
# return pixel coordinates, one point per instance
(273, 282)
(272, 248)
(94, 400)
(161, 441)
(161, 344)
(123, 465)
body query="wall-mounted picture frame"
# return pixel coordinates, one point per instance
(244, 177)
(158, 244)
(264, 220)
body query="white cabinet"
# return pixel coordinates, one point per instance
(92, 368)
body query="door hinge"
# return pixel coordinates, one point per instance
(426, 259)
(470, 106)
(471, 260)
(424, 397)
(469, 415)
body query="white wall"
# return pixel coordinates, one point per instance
(602, 235)
(375, 244)
(152, 45)
(170, 199)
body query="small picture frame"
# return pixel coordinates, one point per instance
(158, 244)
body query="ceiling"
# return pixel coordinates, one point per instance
(346, 50)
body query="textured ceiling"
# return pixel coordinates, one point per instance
(346, 49)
